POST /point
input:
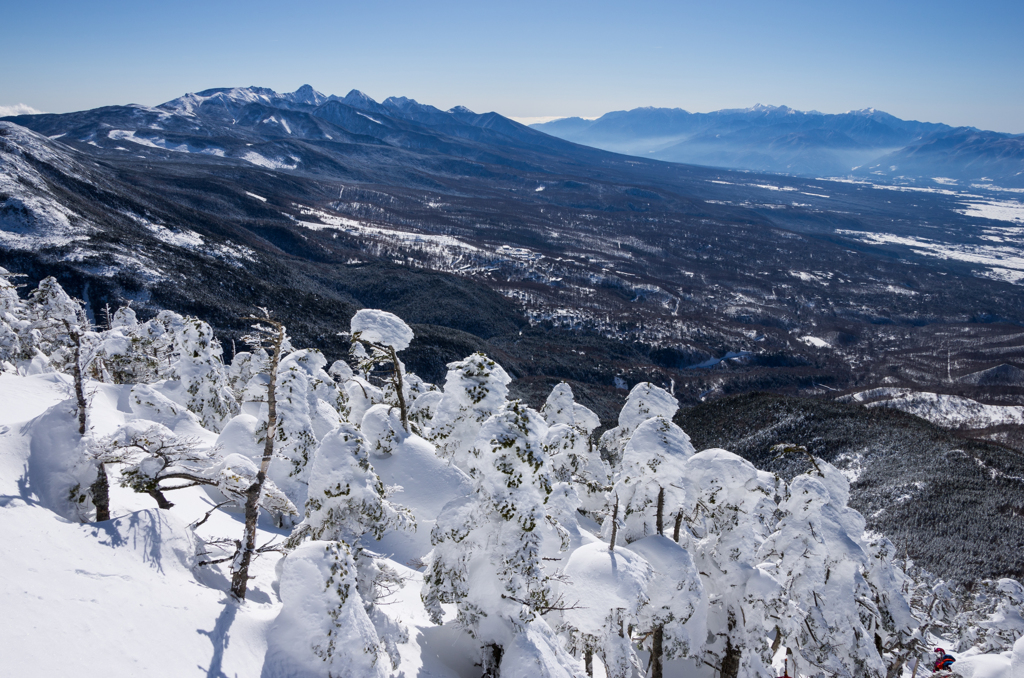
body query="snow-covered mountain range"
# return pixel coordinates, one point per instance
(866, 143)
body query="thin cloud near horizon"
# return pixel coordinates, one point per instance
(18, 109)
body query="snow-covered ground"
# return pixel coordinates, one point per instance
(125, 597)
(949, 411)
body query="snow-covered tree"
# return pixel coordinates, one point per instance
(200, 368)
(51, 317)
(13, 322)
(674, 623)
(474, 389)
(732, 516)
(990, 616)
(323, 628)
(487, 547)
(246, 366)
(649, 483)
(827, 617)
(606, 589)
(301, 416)
(347, 499)
(154, 456)
(560, 407)
(356, 395)
(574, 457)
(650, 490)
(377, 338)
(348, 502)
(643, 402)
(125, 354)
(273, 336)
(382, 425)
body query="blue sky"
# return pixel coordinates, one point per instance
(955, 62)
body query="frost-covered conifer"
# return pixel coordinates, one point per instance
(650, 491)
(347, 502)
(561, 408)
(382, 426)
(356, 395)
(649, 483)
(53, 315)
(422, 411)
(574, 457)
(990, 616)
(125, 354)
(347, 499)
(244, 367)
(644, 402)
(474, 389)
(674, 624)
(732, 516)
(200, 368)
(13, 322)
(294, 439)
(323, 629)
(606, 590)
(826, 600)
(302, 417)
(487, 547)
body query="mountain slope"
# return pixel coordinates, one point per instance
(964, 154)
(482, 228)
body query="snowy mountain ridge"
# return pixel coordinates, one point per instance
(865, 143)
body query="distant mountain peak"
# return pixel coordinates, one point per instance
(307, 95)
(355, 96)
(460, 109)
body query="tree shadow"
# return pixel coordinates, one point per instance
(24, 491)
(219, 637)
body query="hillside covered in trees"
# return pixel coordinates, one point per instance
(351, 519)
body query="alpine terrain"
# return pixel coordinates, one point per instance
(300, 385)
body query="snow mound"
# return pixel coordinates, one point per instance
(118, 589)
(608, 579)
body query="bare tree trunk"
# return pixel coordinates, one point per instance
(400, 388)
(100, 491)
(76, 338)
(657, 652)
(492, 661)
(679, 524)
(731, 661)
(660, 524)
(100, 488)
(615, 524)
(240, 573)
(161, 500)
(588, 662)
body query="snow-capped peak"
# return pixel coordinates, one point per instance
(306, 95)
(356, 97)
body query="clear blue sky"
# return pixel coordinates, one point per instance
(956, 62)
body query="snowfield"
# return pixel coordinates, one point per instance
(948, 411)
